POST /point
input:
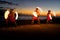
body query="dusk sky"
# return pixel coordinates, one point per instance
(28, 6)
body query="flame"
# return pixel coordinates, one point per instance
(35, 14)
(7, 13)
(40, 9)
(50, 16)
(54, 14)
(16, 15)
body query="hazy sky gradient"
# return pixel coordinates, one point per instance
(27, 6)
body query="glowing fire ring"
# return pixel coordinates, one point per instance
(7, 13)
(54, 14)
(35, 14)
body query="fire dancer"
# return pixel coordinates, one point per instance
(10, 17)
(36, 15)
(49, 16)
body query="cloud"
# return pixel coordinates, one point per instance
(6, 2)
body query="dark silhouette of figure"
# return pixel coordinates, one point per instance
(49, 16)
(11, 18)
(36, 15)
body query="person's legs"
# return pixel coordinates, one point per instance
(32, 20)
(6, 22)
(14, 23)
(38, 20)
(49, 21)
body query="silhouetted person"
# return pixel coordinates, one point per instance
(49, 16)
(36, 15)
(11, 18)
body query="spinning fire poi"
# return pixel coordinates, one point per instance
(10, 16)
(49, 15)
(36, 14)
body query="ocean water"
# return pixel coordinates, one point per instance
(24, 17)
(29, 17)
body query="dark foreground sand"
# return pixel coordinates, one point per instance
(32, 31)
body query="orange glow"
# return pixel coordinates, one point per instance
(54, 14)
(34, 13)
(29, 12)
